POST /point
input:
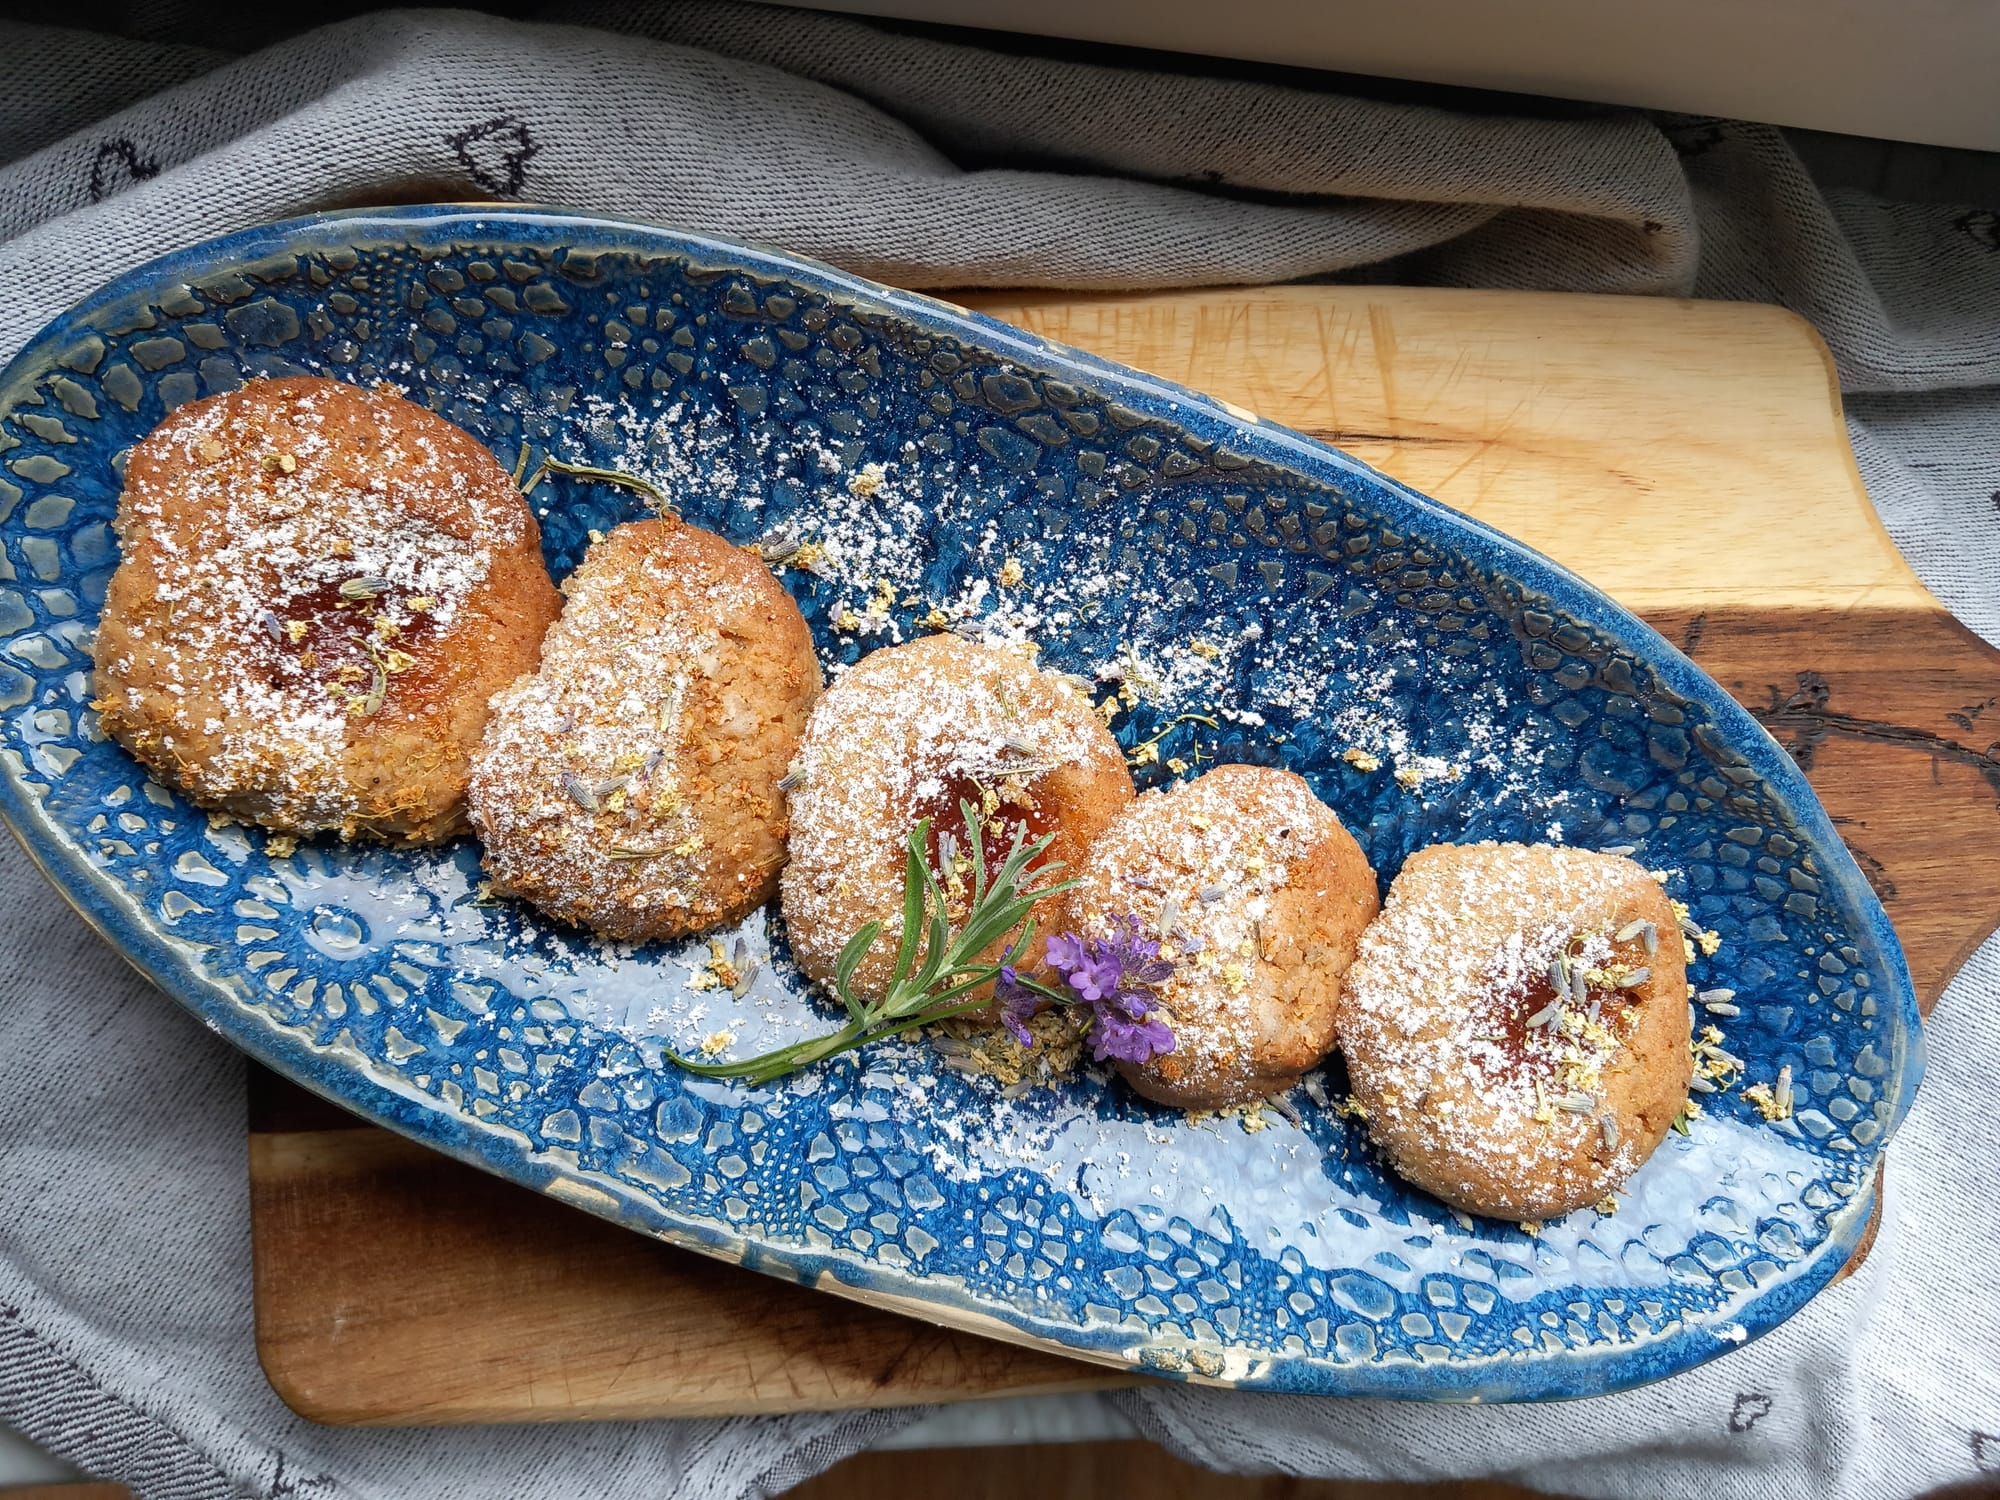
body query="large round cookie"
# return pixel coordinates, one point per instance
(911, 732)
(320, 587)
(1258, 895)
(1480, 1081)
(631, 785)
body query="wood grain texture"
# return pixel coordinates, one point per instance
(1101, 1471)
(1884, 710)
(1583, 426)
(1690, 458)
(395, 1286)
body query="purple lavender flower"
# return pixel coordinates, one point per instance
(1112, 977)
(1113, 1036)
(1017, 1004)
(1086, 967)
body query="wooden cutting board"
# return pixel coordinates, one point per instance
(1687, 457)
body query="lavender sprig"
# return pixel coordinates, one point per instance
(953, 964)
(550, 464)
(1111, 978)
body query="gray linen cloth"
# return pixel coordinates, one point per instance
(125, 1339)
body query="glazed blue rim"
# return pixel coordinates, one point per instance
(1572, 1373)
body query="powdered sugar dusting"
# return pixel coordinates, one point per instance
(1508, 976)
(911, 730)
(1204, 866)
(891, 538)
(307, 543)
(580, 787)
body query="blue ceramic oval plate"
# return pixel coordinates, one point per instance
(1298, 600)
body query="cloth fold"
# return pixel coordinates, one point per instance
(125, 1337)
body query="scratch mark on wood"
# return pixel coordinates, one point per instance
(1803, 721)
(1965, 717)
(1874, 872)
(918, 1342)
(1340, 435)
(1384, 338)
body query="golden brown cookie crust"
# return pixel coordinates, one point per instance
(631, 784)
(1265, 895)
(1468, 1099)
(903, 734)
(320, 588)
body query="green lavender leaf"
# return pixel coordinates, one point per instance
(953, 966)
(850, 960)
(973, 821)
(913, 916)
